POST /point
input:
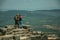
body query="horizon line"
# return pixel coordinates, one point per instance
(29, 10)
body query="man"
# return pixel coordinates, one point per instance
(18, 20)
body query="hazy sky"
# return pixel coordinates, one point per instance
(30, 4)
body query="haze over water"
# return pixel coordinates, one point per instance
(29, 4)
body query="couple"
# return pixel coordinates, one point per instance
(18, 20)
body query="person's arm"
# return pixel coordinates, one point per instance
(22, 16)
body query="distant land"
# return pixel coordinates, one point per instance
(35, 10)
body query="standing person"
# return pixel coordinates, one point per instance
(16, 19)
(20, 20)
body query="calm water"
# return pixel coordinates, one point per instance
(35, 19)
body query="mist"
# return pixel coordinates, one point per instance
(59, 3)
(29, 5)
(1, 3)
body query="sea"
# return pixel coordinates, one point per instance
(40, 20)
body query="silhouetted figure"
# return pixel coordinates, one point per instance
(18, 20)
